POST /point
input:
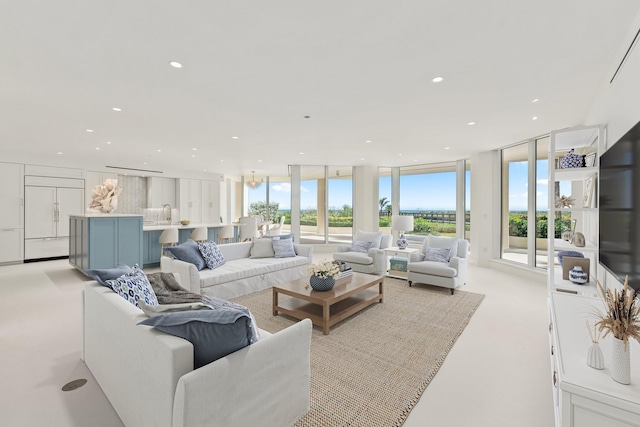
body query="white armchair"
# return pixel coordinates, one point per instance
(374, 261)
(432, 266)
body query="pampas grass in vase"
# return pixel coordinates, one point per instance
(622, 320)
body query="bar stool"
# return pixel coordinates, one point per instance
(169, 237)
(200, 234)
(225, 234)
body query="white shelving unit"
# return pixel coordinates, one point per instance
(587, 137)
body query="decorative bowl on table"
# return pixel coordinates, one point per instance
(184, 221)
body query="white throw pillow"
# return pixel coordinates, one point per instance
(262, 248)
(370, 236)
(450, 243)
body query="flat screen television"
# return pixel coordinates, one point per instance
(619, 208)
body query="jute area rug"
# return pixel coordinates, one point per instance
(373, 367)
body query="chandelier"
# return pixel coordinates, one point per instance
(253, 183)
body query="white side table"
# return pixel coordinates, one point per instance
(396, 252)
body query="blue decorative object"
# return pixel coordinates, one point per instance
(574, 254)
(572, 160)
(577, 275)
(402, 242)
(322, 284)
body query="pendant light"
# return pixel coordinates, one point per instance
(253, 183)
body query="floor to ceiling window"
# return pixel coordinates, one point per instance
(340, 205)
(515, 203)
(428, 192)
(525, 192)
(313, 204)
(467, 200)
(270, 199)
(384, 200)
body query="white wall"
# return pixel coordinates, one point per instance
(365, 198)
(485, 207)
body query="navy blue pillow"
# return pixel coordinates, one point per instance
(188, 252)
(213, 333)
(102, 275)
(574, 254)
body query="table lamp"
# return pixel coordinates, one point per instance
(402, 223)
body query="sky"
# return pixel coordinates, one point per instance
(436, 191)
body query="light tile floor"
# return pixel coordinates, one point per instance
(497, 374)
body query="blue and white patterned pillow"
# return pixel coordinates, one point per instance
(284, 248)
(133, 287)
(360, 246)
(437, 254)
(211, 254)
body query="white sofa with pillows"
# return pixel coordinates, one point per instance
(366, 254)
(247, 267)
(150, 380)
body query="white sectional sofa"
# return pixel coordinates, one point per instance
(149, 379)
(240, 274)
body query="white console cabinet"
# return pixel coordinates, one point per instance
(583, 396)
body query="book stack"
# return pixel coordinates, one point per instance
(344, 276)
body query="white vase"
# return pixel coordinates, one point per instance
(595, 358)
(620, 361)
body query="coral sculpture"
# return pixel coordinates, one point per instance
(105, 197)
(565, 201)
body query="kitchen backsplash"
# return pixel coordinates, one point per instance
(133, 199)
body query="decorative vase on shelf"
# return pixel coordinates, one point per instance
(620, 361)
(595, 358)
(402, 242)
(322, 283)
(577, 275)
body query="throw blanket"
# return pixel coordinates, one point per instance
(169, 291)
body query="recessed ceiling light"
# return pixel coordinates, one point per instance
(362, 158)
(59, 152)
(301, 153)
(108, 142)
(534, 118)
(89, 130)
(259, 161)
(222, 160)
(159, 151)
(194, 149)
(116, 109)
(437, 79)
(97, 148)
(368, 141)
(447, 148)
(234, 137)
(144, 163)
(193, 155)
(175, 64)
(535, 100)
(399, 154)
(471, 123)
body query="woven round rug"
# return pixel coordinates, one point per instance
(373, 367)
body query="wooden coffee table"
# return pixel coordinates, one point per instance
(325, 309)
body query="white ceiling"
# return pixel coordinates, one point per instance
(253, 69)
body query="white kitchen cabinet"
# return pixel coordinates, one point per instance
(11, 212)
(190, 199)
(48, 204)
(210, 201)
(11, 245)
(11, 195)
(161, 191)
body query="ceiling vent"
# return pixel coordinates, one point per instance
(133, 169)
